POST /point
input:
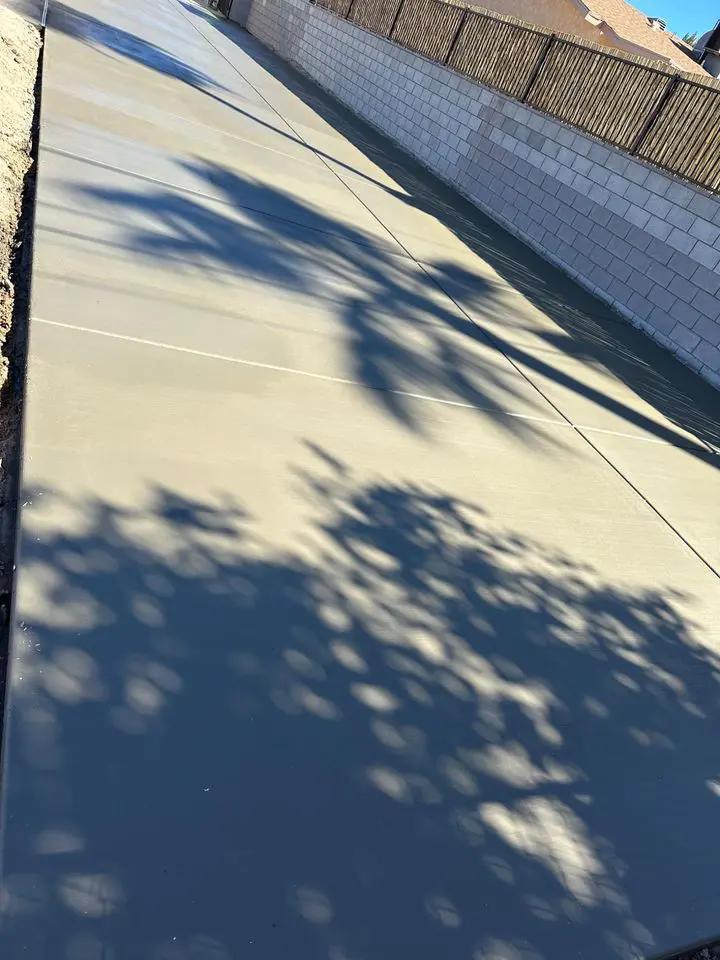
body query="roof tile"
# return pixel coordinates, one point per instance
(632, 25)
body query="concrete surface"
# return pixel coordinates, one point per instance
(367, 595)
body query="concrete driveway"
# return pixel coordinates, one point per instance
(368, 582)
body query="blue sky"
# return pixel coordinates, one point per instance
(683, 16)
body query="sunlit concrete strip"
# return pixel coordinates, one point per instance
(317, 376)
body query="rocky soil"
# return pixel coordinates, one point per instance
(20, 44)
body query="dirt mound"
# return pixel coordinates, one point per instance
(19, 49)
(19, 52)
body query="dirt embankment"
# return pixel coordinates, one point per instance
(19, 52)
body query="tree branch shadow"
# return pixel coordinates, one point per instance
(585, 329)
(400, 336)
(416, 730)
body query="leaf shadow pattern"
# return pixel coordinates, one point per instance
(114, 41)
(407, 328)
(400, 334)
(582, 328)
(413, 732)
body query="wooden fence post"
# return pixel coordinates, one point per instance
(456, 35)
(395, 18)
(654, 114)
(538, 66)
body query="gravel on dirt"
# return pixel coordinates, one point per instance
(20, 43)
(19, 50)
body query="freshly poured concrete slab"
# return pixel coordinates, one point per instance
(663, 473)
(258, 145)
(593, 396)
(418, 228)
(293, 265)
(476, 379)
(262, 187)
(334, 638)
(258, 597)
(159, 47)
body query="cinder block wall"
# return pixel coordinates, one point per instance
(640, 239)
(281, 24)
(240, 11)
